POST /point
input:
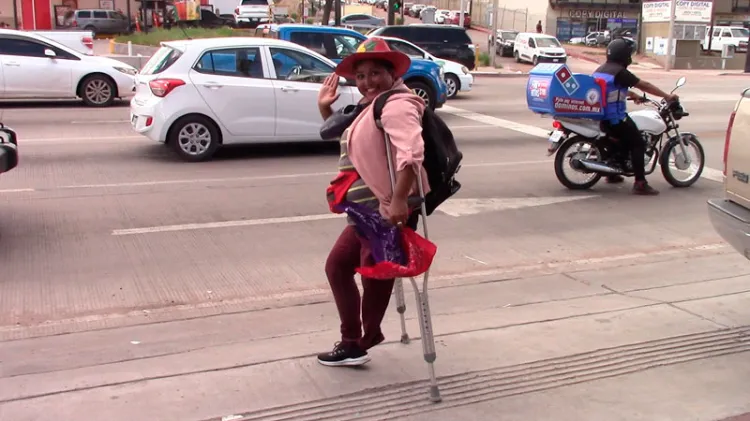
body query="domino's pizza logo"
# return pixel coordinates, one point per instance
(566, 79)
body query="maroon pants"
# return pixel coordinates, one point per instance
(348, 253)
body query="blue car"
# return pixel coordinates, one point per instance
(425, 77)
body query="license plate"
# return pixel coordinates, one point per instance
(556, 60)
(555, 136)
(133, 119)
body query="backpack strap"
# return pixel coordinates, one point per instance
(377, 108)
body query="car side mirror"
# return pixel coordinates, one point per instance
(49, 53)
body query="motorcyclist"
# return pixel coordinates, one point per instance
(617, 122)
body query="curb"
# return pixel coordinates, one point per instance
(734, 74)
(497, 74)
(480, 29)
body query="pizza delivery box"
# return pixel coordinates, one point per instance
(552, 89)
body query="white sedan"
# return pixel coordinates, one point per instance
(196, 95)
(457, 76)
(36, 67)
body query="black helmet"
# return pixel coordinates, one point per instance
(620, 51)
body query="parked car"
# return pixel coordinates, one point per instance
(455, 16)
(198, 94)
(98, 21)
(424, 77)
(251, 13)
(505, 42)
(80, 41)
(8, 149)
(38, 67)
(538, 48)
(457, 76)
(441, 15)
(447, 42)
(360, 21)
(730, 215)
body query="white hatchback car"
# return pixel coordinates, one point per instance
(36, 67)
(457, 76)
(196, 95)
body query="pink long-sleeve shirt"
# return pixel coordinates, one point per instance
(402, 120)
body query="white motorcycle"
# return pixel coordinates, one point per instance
(591, 152)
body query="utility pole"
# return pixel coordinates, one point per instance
(391, 13)
(670, 36)
(337, 13)
(461, 15)
(493, 45)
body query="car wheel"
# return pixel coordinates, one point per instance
(92, 29)
(195, 138)
(98, 91)
(535, 60)
(453, 85)
(518, 57)
(424, 92)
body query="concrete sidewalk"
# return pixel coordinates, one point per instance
(659, 336)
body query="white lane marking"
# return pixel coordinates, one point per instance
(99, 121)
(238, 179)
(15, 190)
(451, 207)
(225, 224)
(497, 122)
(475, 260)
(708, 173)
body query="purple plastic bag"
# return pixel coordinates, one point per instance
(384, 238)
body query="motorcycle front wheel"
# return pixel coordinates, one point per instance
(673, 162)
(571, 150)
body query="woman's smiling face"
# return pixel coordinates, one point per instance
(373, 77)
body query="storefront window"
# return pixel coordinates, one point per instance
(568, 28)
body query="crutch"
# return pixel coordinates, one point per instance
(423, 304)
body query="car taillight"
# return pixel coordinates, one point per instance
(727, 138)
(74, 23)
(88, 42)
(162, 87)
(237, 11)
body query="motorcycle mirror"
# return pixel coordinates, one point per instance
(681, 81)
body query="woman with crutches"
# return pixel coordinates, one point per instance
(364, 178)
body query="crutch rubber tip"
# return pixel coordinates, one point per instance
(405, 338)
(401, 309)
(435, 394)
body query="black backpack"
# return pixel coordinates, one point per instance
(442, 159)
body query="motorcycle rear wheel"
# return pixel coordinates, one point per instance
(562, 158)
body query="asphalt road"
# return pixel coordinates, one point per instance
(100, 228)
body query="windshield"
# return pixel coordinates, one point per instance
(740, 33)
(508, 35)
(546, 42)
(161, 60)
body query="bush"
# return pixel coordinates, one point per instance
(399, 20)
(155, 37)
(484, 59)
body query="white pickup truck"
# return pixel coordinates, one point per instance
(80, 41)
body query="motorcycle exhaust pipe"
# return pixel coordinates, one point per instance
(599, 167)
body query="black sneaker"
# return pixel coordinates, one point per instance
(344, 354)
(642, 188)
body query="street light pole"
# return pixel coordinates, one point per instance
(461, 15)
(493, 45)
(670, 36)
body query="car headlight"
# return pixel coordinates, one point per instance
(442, 73)
(127, 70)
(465, 70)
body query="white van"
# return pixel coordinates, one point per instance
(727, 35)
(538, 48)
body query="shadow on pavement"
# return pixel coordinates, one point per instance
(165, 153)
